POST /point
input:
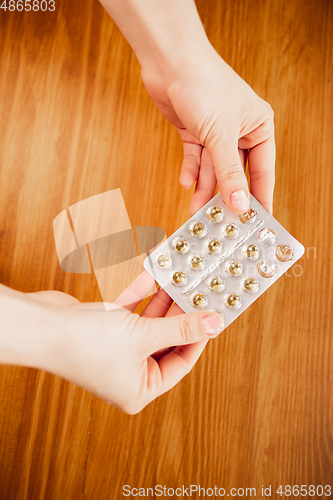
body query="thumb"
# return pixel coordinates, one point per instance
(181, 330)
(230, 176)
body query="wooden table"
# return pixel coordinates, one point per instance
(75, 121)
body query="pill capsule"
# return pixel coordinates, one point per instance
(181, 245)
(179, 278)
(233, 268)
(213, 246)
(283, 253)
(216, 284)
(267, 236)
(199, 299)
(249, 216)
(230, 231)
(250, 285)
(214, 214)
(232, 301)
(196, 262)
(266, 269)
(216, 311)
(198, 229)
(250, 252)
(163, 260)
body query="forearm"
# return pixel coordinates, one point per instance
(29, 331)
(163, 33)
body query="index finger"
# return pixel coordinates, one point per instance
(172, 367)
(262, 172)
(135, 292)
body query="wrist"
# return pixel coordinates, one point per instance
(30, 330)
(169, 57)
(170, 64)
(164, 35)
(164, 71)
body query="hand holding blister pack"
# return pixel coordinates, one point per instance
(220, 261)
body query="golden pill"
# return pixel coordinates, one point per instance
(250, 285)
(230, 231)
(234, 268)
(196, 262)
(213, 246)
(251, 252)
(267, 236)
(249, 216)
(283, 253)
(163, 260)
(181, 245)
(179, 278)
(198, 229)
(232, 301)
(216, 311)
(214, 214)
(266, 269)
(216, 284)
(199, 299)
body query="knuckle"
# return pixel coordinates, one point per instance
(206, 167)
(132, 407)
(205, 190)
(190, 157)
(187, 365)
(234, 172)
(269, 110)
(267, 177)
(188, 369)
(133, 410)
(129, 410)
(185, 332)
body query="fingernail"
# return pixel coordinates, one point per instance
(213, 324)
(240, 200)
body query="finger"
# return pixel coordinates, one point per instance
(175, 310)
(243, 157)
(262, 172)
(186, 136)
(261, 144)
(191, 164)
(181, 329)
(158, 306)
(230, 176)
(135, 292)
(259, 134)
(171, 368)
(206, 184)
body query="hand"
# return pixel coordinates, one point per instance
(121, 357)
(222, 123)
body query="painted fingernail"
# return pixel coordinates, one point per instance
(213, 324)
(240, 200)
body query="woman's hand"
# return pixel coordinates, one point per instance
(125, 359)
(222, 122)
(217, 114)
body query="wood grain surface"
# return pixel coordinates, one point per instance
(75, 121)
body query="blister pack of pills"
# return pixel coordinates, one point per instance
(220, 261)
